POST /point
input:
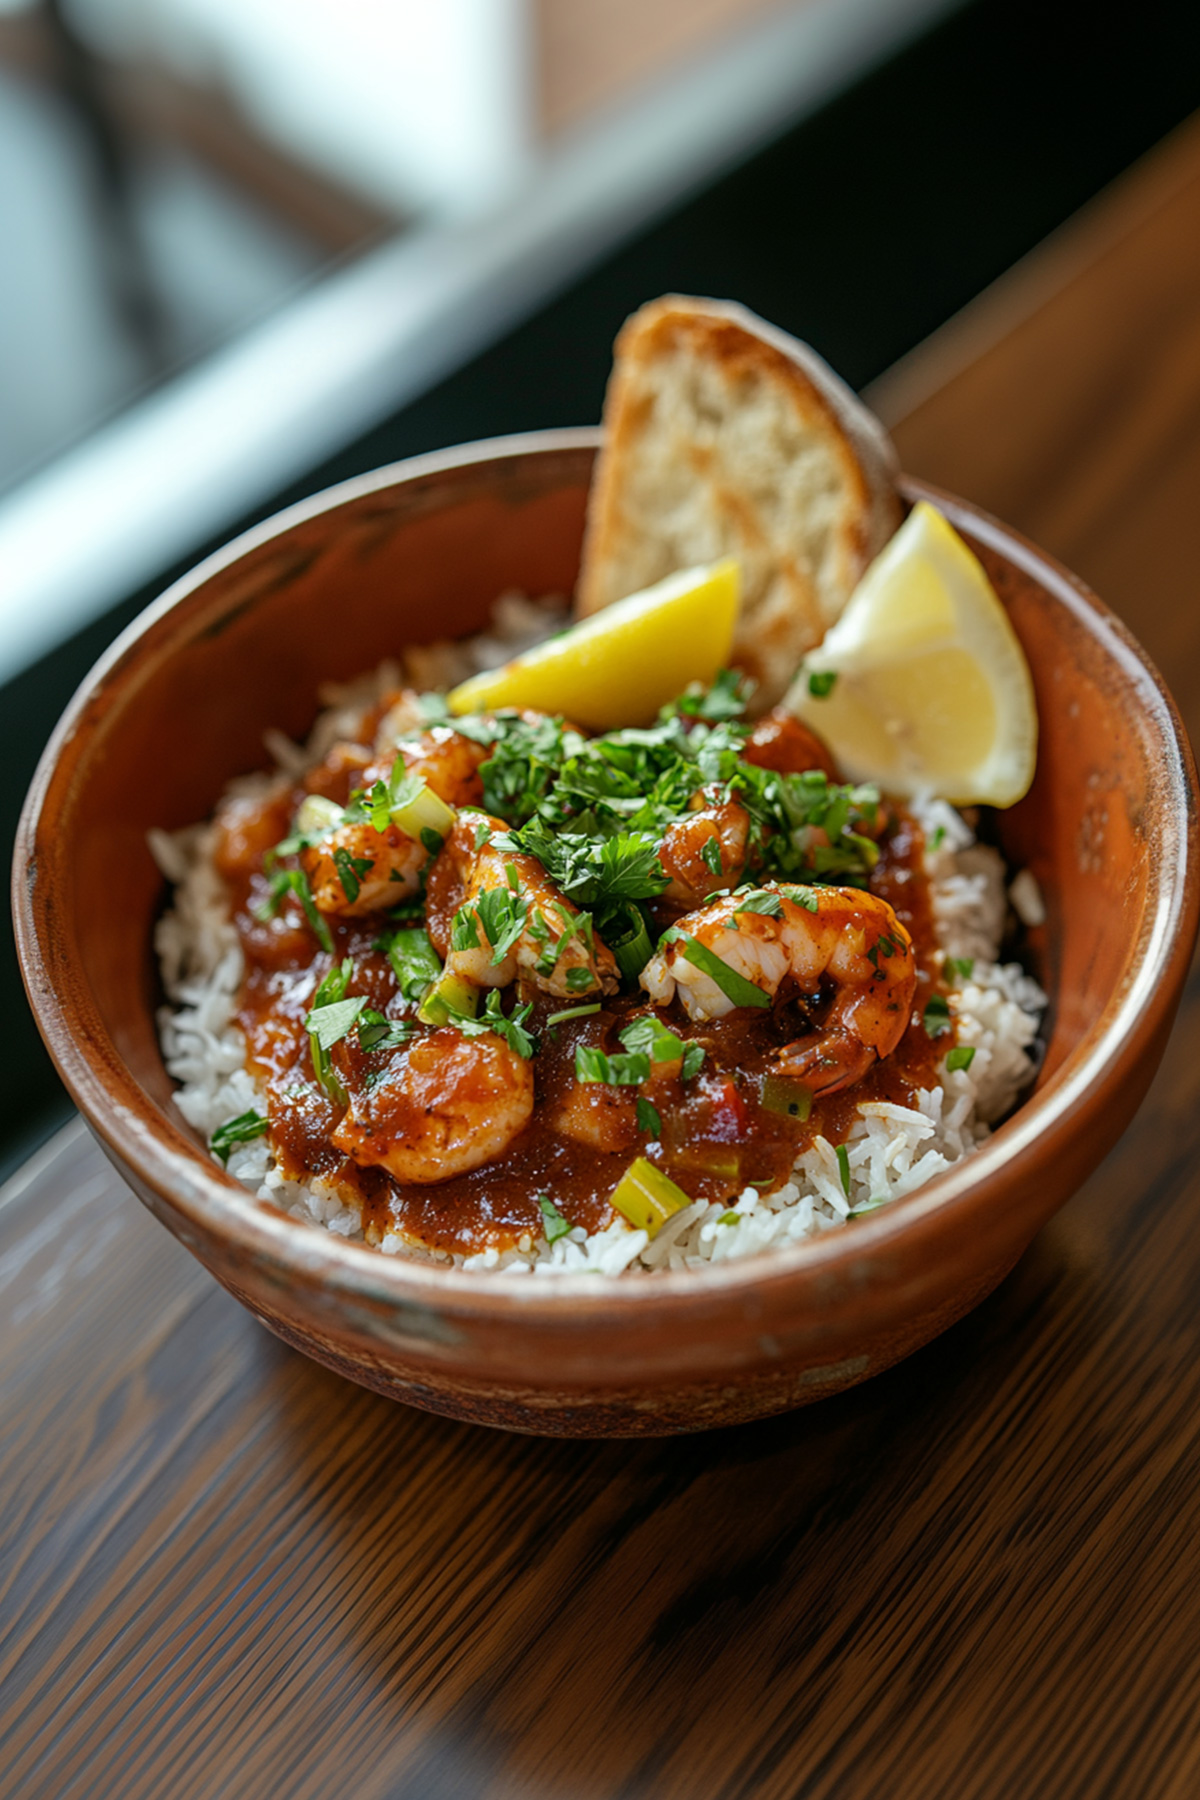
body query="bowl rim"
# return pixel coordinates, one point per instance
(175, 1166)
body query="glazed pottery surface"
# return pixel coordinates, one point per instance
(420, 551)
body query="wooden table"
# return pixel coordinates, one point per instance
(229, 1574)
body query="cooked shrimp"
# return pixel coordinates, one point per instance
(447, 762)
(555, 947)
(444, 1106)
(779, 741)
(852, 939)
(355, 869)
(706, 851)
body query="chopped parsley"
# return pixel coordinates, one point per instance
(710, 855)
(351, 870)
(511, 1028)
(554, 1226)
(648, 1119)
(295, 881)
(620, 1070)
(961, 965)
(725, 699)
(499, 913)
(649, 1035)
(936, 1017)
(758, 900)
(961, 1057)
(821, 683)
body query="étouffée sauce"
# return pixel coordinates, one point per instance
(716, 1136)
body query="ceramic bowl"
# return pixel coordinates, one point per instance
(419, 551)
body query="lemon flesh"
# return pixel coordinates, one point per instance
(932, 692)
(618, 667)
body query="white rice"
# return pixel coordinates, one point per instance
(891, 1150)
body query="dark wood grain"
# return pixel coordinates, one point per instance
(227, 1573)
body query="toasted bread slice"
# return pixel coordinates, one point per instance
(725, 437)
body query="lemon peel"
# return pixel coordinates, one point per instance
(619, 666)
(931, 690)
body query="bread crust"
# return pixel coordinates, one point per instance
(725, 436)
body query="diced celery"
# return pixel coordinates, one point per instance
(784, 1094)
(647, 1197)
(425, 812)
(317, 816)
(449, 994)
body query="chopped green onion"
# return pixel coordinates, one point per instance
(784, 1094)
(961, 1057)
(330, 1024)
(730, 1218)
(961, 965)
(448, 996)
(318, 816)
(615, 1071)
(377, 1032)
(572, 1012)
(735, 987)
(693, 1060)
(873, 1205)
(843, 1163)
(936, 1017)
(554, 1226)
(242, 1130)
(821, 683)
(648, 1119)
(580, 980)
(327, 1024)
(631, 945)
(647, 1198)
(415, 962)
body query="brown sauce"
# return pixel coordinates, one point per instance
(716, 1135)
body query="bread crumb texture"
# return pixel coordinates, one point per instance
(725, 437)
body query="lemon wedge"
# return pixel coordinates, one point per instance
(618, 667)
(922, 685)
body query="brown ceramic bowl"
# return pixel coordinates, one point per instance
(178, 706)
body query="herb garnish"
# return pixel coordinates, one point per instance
(295, 881)
(242, 1130)
(961, 1057)
(936, 1017)
(735, 987)
(648, 1119)
(554, 1226)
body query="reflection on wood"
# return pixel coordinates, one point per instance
(227, 1573)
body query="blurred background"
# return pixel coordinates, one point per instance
(252, 248)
